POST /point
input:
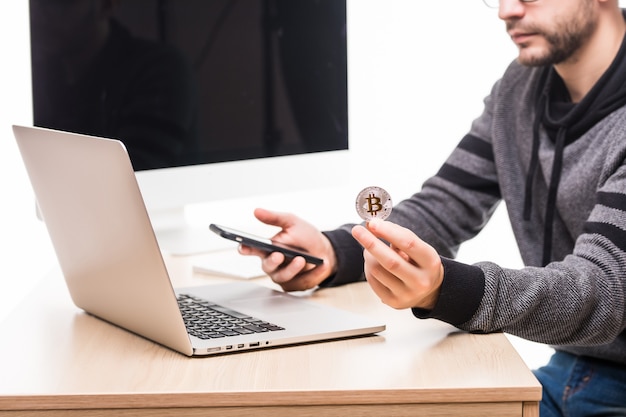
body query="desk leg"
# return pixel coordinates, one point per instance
(530, 409)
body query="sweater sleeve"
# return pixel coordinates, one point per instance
(349, 257)
(574, 302)
(459, 279)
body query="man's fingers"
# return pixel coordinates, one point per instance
(392, 263)
(402, 240)
(407, 273)
(273, 218)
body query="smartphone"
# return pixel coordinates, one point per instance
(264, 244)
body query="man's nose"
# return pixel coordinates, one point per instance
(511, 9)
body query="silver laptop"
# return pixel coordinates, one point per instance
(88, 196)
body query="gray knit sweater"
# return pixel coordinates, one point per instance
(576, 302)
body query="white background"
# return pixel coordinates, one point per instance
(418, 73)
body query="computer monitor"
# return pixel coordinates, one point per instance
(214, 99)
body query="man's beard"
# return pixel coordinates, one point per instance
(563, 40)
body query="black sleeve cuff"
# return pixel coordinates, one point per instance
(460, 295)
(349, 255)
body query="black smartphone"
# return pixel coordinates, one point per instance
(264, 244)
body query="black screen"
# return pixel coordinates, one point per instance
(185, 82)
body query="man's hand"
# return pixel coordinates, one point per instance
(406, 274)
(294, 275)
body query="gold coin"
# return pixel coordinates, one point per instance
(373, 203)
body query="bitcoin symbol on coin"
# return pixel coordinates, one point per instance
(373, 205)
(373, 202)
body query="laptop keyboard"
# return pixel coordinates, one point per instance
(207, 320)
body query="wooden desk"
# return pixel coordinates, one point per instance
(55, 360)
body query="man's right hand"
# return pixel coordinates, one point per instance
(296, 274)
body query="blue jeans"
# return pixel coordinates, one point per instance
(578, 386)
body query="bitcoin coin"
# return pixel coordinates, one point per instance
(373, 203)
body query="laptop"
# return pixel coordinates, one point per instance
(89, 198)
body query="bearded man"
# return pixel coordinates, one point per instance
(551, 145)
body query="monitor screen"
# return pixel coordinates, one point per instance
(194, 84)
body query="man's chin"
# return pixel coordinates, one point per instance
(531, 58)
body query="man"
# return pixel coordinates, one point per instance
(551, 144)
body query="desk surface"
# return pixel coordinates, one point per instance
(57, 360)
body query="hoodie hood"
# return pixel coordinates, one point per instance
(565, 121)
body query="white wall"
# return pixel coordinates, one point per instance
(418, 74)
(25, 251)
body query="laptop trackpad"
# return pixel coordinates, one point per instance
(276, 303)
